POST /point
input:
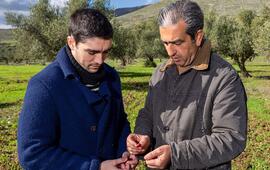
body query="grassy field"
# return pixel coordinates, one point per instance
(13, 82)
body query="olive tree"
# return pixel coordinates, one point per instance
(148, 41)
(124, 45)
(260, 32)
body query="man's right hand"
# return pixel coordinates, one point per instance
(137, 144)
(114, 164)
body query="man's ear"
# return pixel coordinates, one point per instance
(71, 42)
(199, 37)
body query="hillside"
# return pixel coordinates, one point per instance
(5, 35)
(123, 11)
(225, 7)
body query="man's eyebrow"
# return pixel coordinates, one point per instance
(97, 51)
(173, 42)
(90, 50)
(108, 49)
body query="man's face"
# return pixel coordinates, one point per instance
(90, 53)
(179, 45)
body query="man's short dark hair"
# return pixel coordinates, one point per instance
(88, 23)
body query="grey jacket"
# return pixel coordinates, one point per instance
(201, 114)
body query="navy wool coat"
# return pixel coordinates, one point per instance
(58, 125)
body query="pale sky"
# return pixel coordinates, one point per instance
(22, 6)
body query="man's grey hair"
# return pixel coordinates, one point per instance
(186, 10)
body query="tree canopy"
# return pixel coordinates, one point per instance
(40, 35)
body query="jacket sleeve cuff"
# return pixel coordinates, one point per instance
(143, 131)
(95, 164)
(179, 155)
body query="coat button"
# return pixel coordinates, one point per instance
(93, 128)
(166, 128)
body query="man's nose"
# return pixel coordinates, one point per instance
(171, 50)
(99, 58)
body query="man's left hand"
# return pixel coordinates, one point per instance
(130, 161)
(159, 158)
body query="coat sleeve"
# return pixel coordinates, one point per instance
(228, 132)
(144, 121)
(125, 129)
(38, 134)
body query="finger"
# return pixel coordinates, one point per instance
(132, 150)
(134, 137)
(155, 153)
(132, 140)
(125, 156)
(142, 138)
(153, 163)
(132, 167)
(132, 157)
(124, 167)
(144, 142)
(131, 146)
(153, 167)
(118, 161)
(127, 166)
(138, 139)
(133, 160)
(135, 151)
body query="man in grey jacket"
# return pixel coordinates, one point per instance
(195, 114)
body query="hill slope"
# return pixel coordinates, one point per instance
(225, 7)
(5, 35)
(123, 11)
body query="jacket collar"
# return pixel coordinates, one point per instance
(65, 64)
(70, 73)
(201, 62)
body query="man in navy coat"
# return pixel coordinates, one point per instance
(73, 115)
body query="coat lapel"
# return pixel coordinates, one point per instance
(106, 115)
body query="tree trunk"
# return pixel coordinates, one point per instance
(243, 69)
(129, 60)
(268, 58)
(150, 62)
(43, 62)
(123, 62)
(6, 61)
(150, 59)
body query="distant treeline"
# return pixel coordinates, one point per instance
(41, 34)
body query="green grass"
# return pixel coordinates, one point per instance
(259, 106)
(256, 155)
(135, 77)
(13, 82)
